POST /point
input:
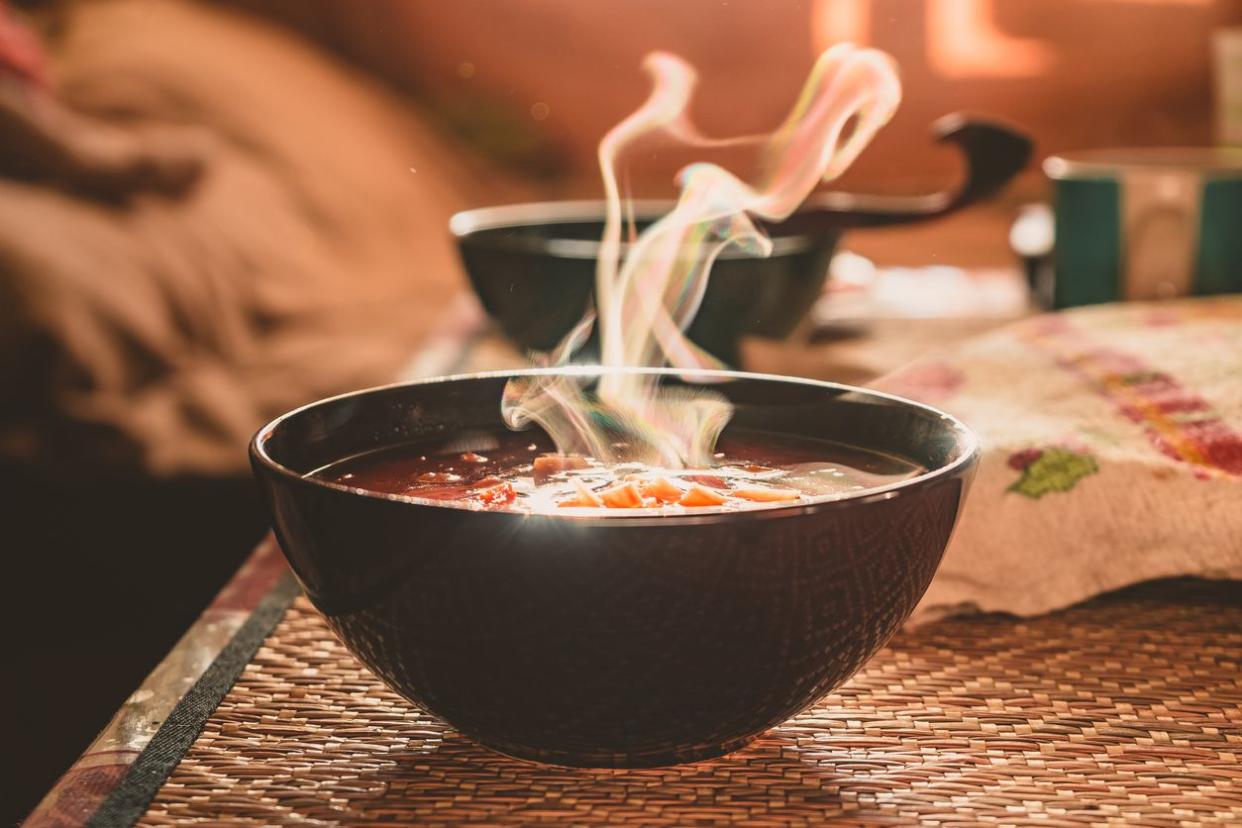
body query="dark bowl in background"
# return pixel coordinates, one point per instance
(533, 269)
(618, 641)
(533, 265)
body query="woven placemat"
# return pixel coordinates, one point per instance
(1126, 709)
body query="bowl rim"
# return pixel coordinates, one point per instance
(967, 440)
(467, 224)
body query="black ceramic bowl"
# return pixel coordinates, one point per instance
(613, 641)
(533, 265)
(533, 269)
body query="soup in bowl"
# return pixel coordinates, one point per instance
(558, 609)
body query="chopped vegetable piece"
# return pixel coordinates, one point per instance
(495, 495)
(625, 496)
(766, 494)
(471, 457)
(585, 498)
(661, 489)
(701, 496)
(553, 463)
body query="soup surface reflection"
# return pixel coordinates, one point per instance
(522, 472)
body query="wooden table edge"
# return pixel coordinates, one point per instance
(116, 776)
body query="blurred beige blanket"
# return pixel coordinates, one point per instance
(304, 253)
(1112, 453)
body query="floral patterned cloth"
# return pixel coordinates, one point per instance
(1112, 453)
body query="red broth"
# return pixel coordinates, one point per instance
(521, 472)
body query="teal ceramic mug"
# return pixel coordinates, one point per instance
(1146, 224)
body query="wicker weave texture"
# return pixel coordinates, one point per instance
(1124, 710)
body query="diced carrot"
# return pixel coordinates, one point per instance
(624, 496)
(553, 463)
(701, 496)
(495, 495)
(767, 494)
(584, 499)
(661, 489)
(471, 457)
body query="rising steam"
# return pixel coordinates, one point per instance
(647, 297)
